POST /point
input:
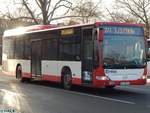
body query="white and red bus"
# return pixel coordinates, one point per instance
(103, 54)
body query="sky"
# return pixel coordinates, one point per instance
(107, 3)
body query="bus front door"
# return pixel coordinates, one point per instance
(36, 58)
(87, 56)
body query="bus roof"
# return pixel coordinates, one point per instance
(40, 28)
(22, 30)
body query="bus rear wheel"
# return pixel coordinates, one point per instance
(67, 80)
(19, 74)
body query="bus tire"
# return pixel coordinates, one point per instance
(67, 80)
(19, 74)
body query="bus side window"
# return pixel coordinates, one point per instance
(27, 50)
(70, 48)
(50, 49)
(19, 48)
(11, 48)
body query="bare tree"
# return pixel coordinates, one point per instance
(139, 9)
(46, 9)
(117, 16)
(19, 13)
(19, 16)
(86, 11)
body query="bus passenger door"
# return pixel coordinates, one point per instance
(87, 56)
(36, 51)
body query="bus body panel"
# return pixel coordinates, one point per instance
(50, 68)
(55, 68)
(73, 65)
(10, 65)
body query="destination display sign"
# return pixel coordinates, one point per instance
(123, 30)
(67, 31)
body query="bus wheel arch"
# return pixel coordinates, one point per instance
(66, 77)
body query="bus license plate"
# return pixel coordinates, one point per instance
(125, 83)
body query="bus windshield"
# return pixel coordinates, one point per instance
(121, 52)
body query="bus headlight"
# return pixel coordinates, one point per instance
(144, 77)
(102, 78)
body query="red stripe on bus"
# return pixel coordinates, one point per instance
(56, 78)
(76, 81)
(51, 78)
(27, 75)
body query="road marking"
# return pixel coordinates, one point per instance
(101, 97)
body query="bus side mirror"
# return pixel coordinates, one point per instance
(101, 34)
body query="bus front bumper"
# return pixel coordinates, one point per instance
(105, 83)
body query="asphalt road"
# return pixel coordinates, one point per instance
(46, 97)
